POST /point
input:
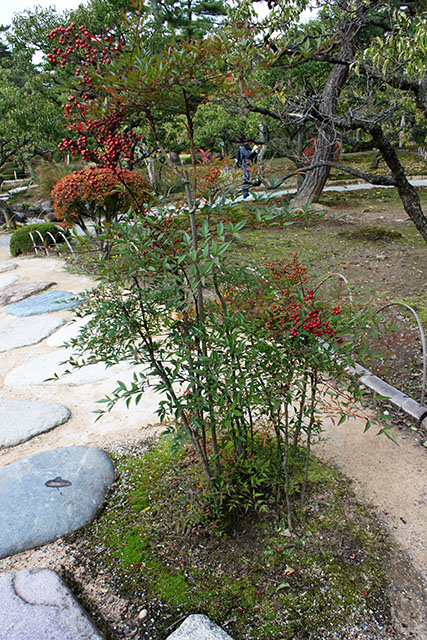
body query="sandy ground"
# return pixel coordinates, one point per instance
(389, 477)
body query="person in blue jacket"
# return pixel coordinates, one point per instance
(245, 157)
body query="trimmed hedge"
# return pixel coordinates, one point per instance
(20, 241)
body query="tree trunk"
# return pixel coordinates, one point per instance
(315, 180)
(407, 193)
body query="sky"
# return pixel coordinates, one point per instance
(9, 7)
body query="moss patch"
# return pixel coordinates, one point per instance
(372, 234)
(259, 582)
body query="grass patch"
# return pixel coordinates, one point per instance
(260, 581)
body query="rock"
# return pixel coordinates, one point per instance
(50, 217)
(21, 332)
(45, 303)
(39, 370)
(21, 420)
(16, 292)
(199, 627)
(45, 206)
(51, 494)
(142, 614)
(18, 214)
(67, 333)
(7, 266)
(35, 604)
(7, 278)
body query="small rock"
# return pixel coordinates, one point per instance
(199, 627)
(142, 614)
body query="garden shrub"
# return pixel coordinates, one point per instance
(98, 194)
(20, 241)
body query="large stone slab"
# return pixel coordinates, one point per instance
(45, 303)
(35, 604)
(50, 494)
(21, 420)
(7, 266)
(67, 333)
(7, 278)
(44, 370)
(21, 332)
(199, 627)
(16, 292)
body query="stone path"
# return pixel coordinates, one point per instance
(37, 605)
(48, 302)
(57, 492)
(7, 279)
(16, 292)
(22, 332)
(21, 420)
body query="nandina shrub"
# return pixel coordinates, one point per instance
(99, 194)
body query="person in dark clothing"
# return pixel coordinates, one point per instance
(245, 157)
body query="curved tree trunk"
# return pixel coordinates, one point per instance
(315, 180)
(407, 193)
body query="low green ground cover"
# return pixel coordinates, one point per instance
(260, 580)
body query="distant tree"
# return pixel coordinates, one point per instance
(358, 94)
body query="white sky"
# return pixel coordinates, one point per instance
(9, 7)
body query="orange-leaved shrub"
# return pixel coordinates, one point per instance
(99, 194)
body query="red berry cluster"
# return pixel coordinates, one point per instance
(103, 140)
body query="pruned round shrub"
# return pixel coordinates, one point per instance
(21, 242)
(98, 193)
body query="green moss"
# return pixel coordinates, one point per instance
(271, 585)
(372, 234)
(173, 589)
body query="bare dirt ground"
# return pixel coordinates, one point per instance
(389, 477)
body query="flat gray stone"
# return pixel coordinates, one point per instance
(21, 332)
(21, 420)
(45, 303)
(50, 494)
(7, 278)
(199, 627)
(7, 266)
(67, 333)
(39, 371)
(17, 292)
(35, 604)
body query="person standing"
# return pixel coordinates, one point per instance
(245, 157)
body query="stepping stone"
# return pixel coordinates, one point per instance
(39, 370)
(7, 278)
(67, 333)
(21, 332)
(199, 627)
(7, 266)
(35, 604)
(21, 420)
(45, 303)
(16, 292)
(51, 494)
